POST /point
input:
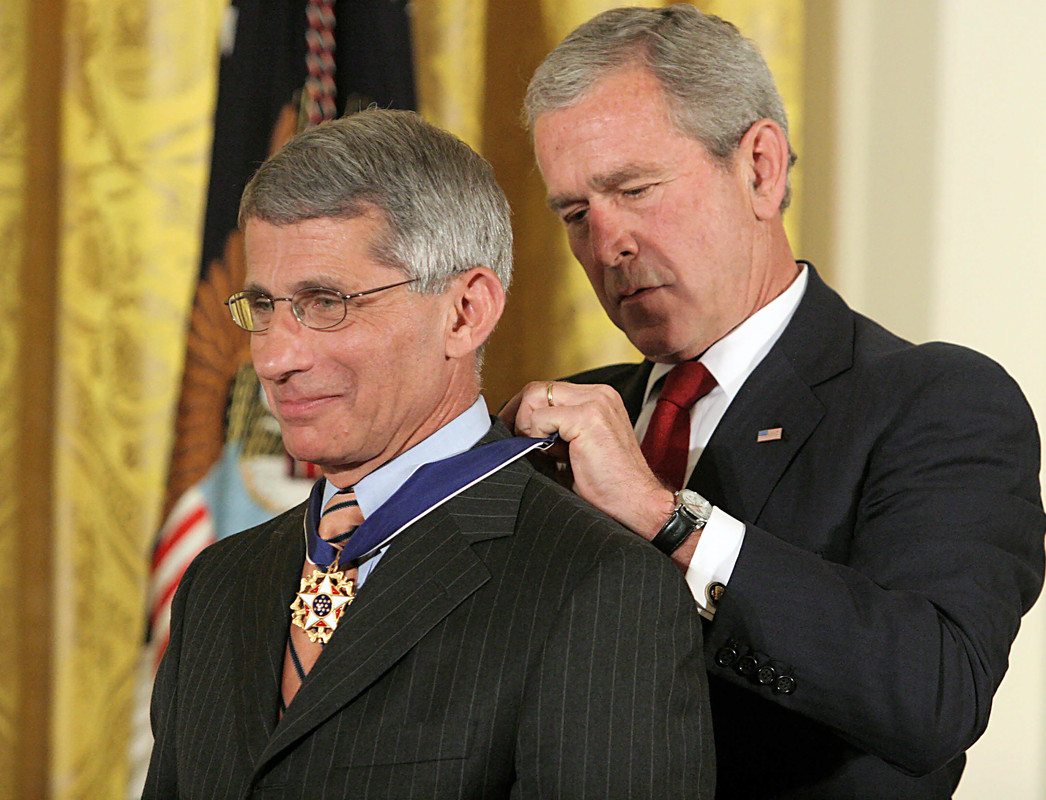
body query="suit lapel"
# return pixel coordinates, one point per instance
(428, 571)
(736, 470)
(271, 580)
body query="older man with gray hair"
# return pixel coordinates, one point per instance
(438, 620)
(858, 517)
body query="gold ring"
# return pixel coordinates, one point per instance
(548, 395)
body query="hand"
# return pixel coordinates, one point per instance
(609, 470)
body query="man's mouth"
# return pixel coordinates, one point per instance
(635, 294)
(300, 406)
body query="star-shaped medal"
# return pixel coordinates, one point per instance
(320, 603)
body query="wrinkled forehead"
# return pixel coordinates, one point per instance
(329, 252)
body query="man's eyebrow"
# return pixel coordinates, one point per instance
(557, 202)
(605, 182)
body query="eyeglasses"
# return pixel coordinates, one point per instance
(315, 307)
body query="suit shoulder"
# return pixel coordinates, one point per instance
(250, 539)
(888, 357)
(552, 512)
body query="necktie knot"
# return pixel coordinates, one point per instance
(687, 383)
(340, 517)
(666, 445)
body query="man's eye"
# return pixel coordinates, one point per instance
(576, 216)
(260, 303)
(325, 301)
(637, 191)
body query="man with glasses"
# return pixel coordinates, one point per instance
(438, 620)
(858, 517)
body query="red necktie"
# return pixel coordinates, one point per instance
(341, 516)
(666, 445)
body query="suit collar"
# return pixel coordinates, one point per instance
(736, 470)
(819, 341)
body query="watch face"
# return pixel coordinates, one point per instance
(694, 505)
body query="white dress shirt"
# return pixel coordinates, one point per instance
(730, 360)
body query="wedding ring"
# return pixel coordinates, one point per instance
(548, 395)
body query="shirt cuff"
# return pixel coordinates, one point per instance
(714, 558)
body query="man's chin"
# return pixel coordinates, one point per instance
(656, 346)
(320, 453)
(311, 452)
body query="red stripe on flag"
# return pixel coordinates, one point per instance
(171, 539)
(165, 597)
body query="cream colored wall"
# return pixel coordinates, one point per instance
(933, 221)
(989, 290)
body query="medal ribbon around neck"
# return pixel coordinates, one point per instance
(326, 593)
(430, 486)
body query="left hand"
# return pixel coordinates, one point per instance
(608, 467)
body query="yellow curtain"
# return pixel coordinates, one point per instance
(474, 59)
(13, 31)
(133, 88)
(136, 106)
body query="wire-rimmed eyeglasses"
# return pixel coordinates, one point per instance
(315, 307)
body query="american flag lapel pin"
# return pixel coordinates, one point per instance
(769, 435)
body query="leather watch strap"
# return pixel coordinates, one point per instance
(690, 514)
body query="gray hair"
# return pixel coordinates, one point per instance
(443, 210)
(716, 83)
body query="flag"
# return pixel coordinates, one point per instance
(769, 435)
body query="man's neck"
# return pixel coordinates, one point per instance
(458, 435)
(459, 397)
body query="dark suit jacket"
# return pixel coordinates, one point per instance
(894, 538)
(512, 643)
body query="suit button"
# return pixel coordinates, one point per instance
(785, 684)
(726, 656)
(766, 675)
(747, 665)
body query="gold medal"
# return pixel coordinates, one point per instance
(320, 603)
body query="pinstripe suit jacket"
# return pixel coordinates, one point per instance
(513, 643)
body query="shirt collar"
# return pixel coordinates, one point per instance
(734, 357)
(455, 437)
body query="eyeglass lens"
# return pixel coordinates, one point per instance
(315, 308)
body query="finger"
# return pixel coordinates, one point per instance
(567, 421)
(575, 394)
(508, 412)
(534, 396)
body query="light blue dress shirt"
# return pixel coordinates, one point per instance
(455, 437)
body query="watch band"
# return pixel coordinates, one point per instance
(689, 515)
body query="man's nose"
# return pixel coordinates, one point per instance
(610, 236)
(283, 348)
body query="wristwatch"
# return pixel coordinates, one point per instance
(690, 514)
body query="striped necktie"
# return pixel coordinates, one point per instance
(341, 516)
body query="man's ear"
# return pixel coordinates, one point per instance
(763, 152)
(478, 298)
